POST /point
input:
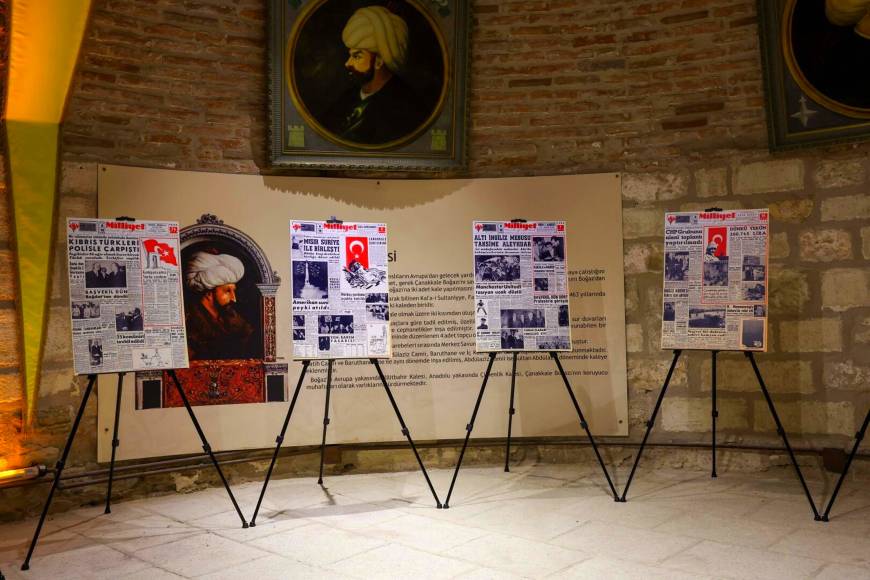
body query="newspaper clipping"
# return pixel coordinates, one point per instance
(341, 303)
(715, 280)
(520, 286)
(125, 296)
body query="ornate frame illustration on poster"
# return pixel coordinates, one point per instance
(250, 371)
(344, 97)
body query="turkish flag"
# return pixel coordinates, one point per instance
(164, 251)
(717, 242)
(357, 250)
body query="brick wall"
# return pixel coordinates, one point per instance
(668, 92)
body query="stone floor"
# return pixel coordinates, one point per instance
(539, 521)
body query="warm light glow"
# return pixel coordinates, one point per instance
(12, 473)
(18, 474)
(44, 46)
(45, 37)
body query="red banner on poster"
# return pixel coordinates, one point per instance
(357, 250)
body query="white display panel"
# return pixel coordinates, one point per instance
(340, 290)
(521, 286)
(434, 371)
(715, 280)
(125, 296)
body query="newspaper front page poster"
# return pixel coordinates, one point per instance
(125, 296)
(520, 286)
(715, 280)
(340, 290)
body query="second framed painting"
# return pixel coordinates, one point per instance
(815, 55)
(369, 84)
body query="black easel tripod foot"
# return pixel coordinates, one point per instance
(859, 437)
(405, 430)
(279, 440)
(62, 462)
(325, 418)
(650, 423)
(59, 469)
(584, 424)
(512, 410)
(326, 421)
(714, 413)
(750, 355)
(205, 445)
(469, 427)
(115, 443)
(779, 428)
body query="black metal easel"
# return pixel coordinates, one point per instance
(779, 428)
(470, 426)
(59, 467)
(280, 438)
(859, 436)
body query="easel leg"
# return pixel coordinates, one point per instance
(859, 436)
(584, 424)
(115, 443)
(325, 418)
(782, 434)
(469, 427)
(205, 446)
(279, 440)
(405, 430)
(715, 412)
(59, 469)
(511, 411)
(651, 422)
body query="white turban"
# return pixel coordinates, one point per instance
(206, 271)
(376, 29)
(846, 12)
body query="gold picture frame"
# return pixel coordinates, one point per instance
(817, 91)
(322, 116)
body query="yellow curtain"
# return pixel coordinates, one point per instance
(44, 46)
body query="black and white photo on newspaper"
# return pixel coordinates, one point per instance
(520, 286)
(125, 288)
(715, 280)
(340, 290)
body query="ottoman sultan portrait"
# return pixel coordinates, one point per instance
(229, 292)
(368, 83)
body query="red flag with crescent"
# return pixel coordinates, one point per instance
(165, 252)
(717, 241)
(357, 250)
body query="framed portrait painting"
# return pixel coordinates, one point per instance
(369, 84)
(816, 55)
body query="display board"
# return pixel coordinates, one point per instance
(715, 280)
(125, 296)
(340, 289)
(520, 286)
(435, 371)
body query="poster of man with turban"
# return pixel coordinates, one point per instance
(374, 81)
(215, 327)
(380, 107)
